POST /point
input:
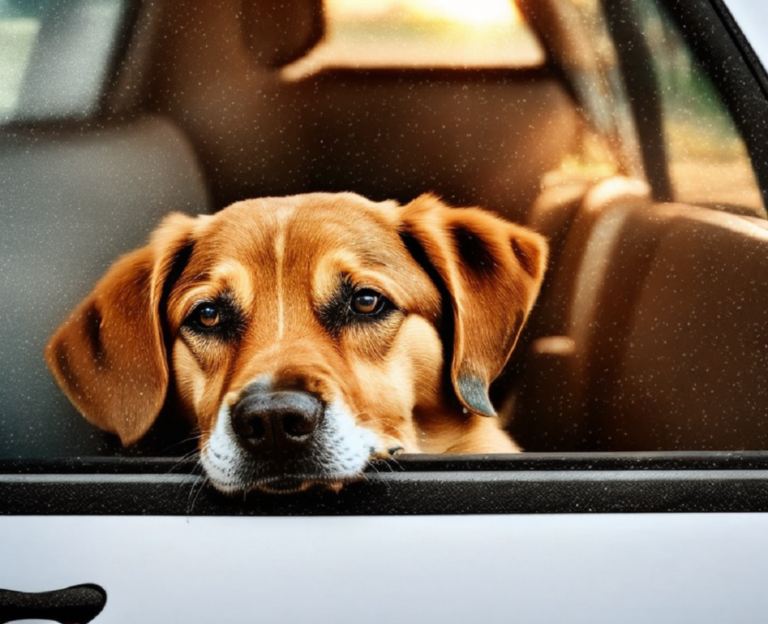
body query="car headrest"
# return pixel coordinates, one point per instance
(280, 32)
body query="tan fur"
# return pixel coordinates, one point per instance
(280, 260)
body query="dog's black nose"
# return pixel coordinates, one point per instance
(279, 419)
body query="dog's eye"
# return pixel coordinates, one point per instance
(220, 319)
(368, 302)
(206, 316)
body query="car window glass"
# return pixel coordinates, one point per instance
(578, 37)
(18, 31)
(645, 93)
(527, 134)
(708, 161)
(54, 56)
(422, 33)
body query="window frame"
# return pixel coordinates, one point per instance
(529, 483)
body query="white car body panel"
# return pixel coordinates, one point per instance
(550, 568)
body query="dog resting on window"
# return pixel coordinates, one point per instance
(305, 336)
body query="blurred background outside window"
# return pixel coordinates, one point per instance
(422, 33)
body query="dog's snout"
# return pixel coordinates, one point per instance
(276, 419)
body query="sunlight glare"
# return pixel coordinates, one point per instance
(466, 11)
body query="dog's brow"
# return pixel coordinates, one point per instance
(373, 260)
(374, 256)
(230, 276)
(227, 270)
(201, 277)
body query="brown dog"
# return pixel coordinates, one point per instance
(307, 335)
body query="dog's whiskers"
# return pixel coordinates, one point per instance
(193, 437)
(371, 464)
(184, 459)
(397, 463)
(376, 470)
(199, 483)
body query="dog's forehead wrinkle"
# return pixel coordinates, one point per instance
(246, 230)
(342, 202)
(349, 223)
(226, 278)
(304, 226)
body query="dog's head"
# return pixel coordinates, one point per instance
(306, 335)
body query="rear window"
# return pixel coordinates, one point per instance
(55, 56)
(422, 33)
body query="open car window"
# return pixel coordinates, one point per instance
(599, 127)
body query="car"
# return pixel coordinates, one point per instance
(631, 133)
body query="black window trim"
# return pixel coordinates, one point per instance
(662, 482)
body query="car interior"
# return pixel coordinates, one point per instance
(650, 330)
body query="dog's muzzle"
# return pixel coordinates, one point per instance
(281, 439)
(282, 421)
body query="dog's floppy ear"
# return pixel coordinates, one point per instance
(109, 356)
(492, 271)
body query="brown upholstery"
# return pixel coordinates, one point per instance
(73, 199)
(278, 33)
(474, 137)
(651, 331)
